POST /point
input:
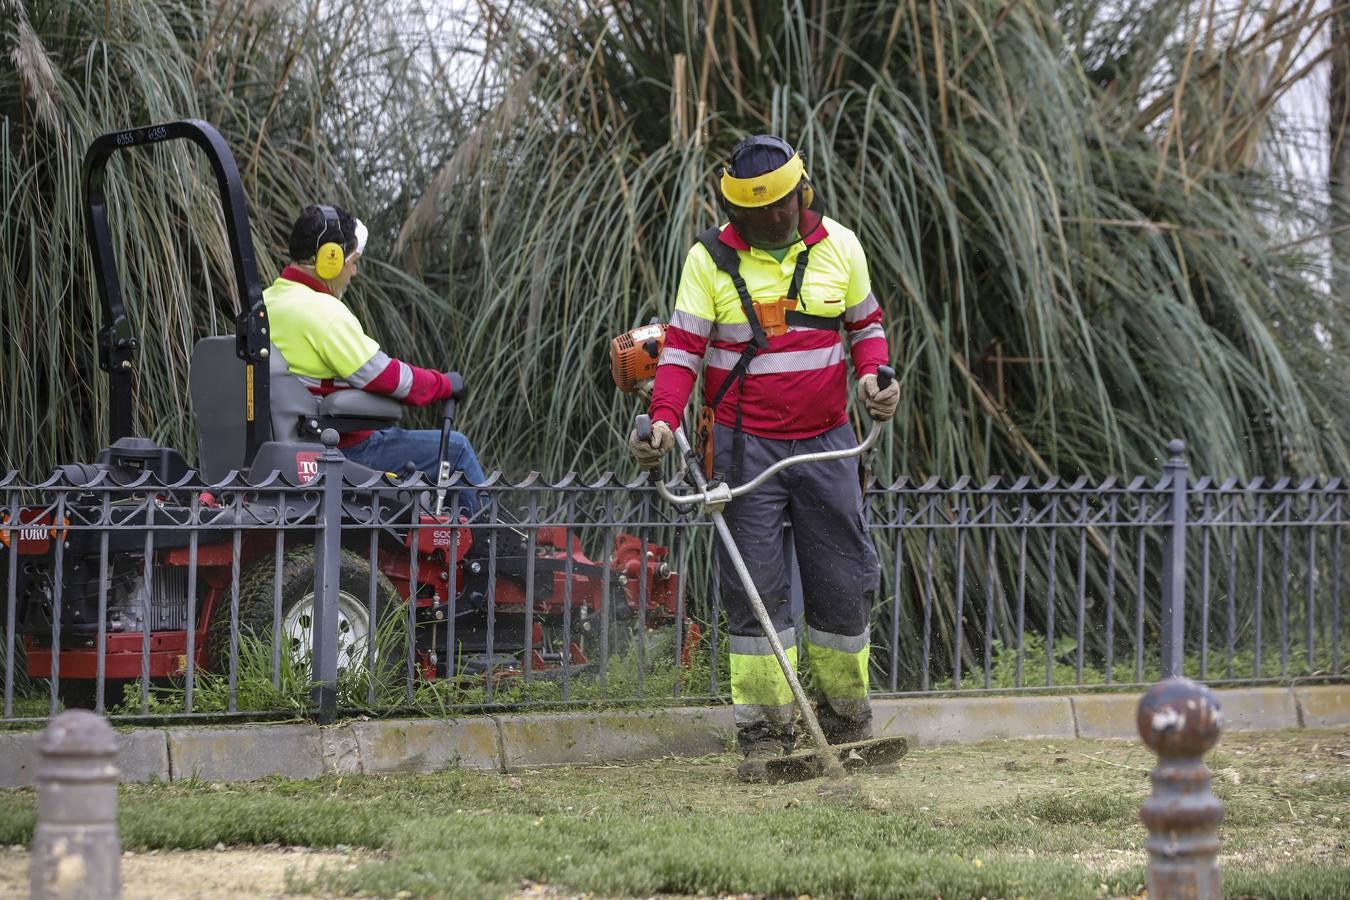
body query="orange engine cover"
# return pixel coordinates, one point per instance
(633, 356)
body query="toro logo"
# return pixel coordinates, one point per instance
(307, 465)
(31, 534)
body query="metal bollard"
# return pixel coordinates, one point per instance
(1180, 721)
(76, 849)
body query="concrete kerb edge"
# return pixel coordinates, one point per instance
(503, 742)
(142, 755)
(1112, 716)
(1323, 705)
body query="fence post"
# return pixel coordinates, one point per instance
(76, 849)
(1174, 563)
(1180, 721)
(328, 561)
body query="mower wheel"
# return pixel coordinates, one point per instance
(257, 602)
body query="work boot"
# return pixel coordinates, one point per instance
(754, 767)
(839, 730)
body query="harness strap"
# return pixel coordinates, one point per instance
(806, 320)
(728, 260)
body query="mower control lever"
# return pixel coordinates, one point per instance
(456, 394)
(447, 425)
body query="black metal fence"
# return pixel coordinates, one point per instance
(187, 600)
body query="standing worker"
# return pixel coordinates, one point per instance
(771, 291)
(322, 342)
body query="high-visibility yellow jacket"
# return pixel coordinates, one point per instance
(797, 386)
(324, 345)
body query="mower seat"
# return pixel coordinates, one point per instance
(219, 392)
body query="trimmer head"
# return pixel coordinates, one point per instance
(807, 764)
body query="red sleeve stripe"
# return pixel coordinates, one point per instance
(671, 393)
(387, 382)
(426, 386)
(685, 340)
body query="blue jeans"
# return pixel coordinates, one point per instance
(391, 449)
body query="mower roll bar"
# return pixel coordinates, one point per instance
(716, 495)
(117, 343)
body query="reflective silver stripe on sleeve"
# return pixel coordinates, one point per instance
(871, 331)
(863, 309)
(781, 361)
(405, 381)
(670, 356)
(687, 321)
(370, 370)
(758, 645)
(844, 643)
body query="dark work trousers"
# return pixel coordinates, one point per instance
(839, 577)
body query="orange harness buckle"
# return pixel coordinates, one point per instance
(773, 316)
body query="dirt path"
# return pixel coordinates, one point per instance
(196, 874)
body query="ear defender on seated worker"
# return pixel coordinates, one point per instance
(329, 257)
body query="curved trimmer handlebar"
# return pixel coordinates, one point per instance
(721, 494)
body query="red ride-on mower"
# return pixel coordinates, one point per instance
(93, 601)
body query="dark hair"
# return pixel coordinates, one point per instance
(309, 231)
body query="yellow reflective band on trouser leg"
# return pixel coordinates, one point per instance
(839, 671)
(759, 690)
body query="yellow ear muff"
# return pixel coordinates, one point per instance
(328, 260)
(808, 193)
(329, 256)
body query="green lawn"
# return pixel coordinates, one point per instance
(1004, 819)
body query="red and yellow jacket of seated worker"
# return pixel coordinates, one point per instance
(798, 386)
(324, 345)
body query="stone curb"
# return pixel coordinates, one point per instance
(571, 739)
(1107, 716)
(245, 753)
(424, 745)
(142, 755)
(965, 720)
(503, 743)
(1323, 706)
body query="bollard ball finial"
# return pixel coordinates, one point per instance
(330, 437)
(1179, 717)
(1176, 447)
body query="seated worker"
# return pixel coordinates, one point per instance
(326, 347)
